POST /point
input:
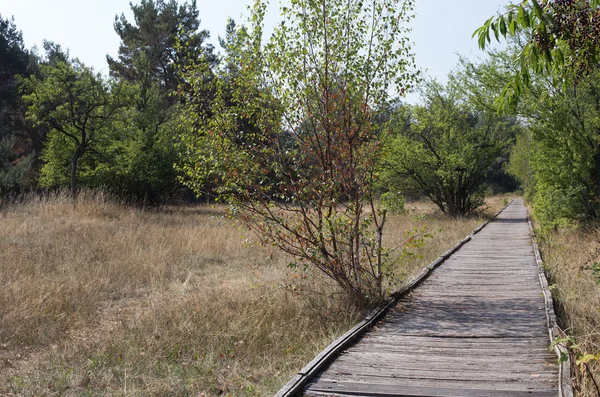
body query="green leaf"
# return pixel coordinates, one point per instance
(502, 23)
(558, 57)
(482, 41)
(517, 84)
(520, 15)
(534, 58)
(564, 357)
(495, 30)
(537, 9)
(526, 18)
(567, 340)
(512, 24)
(586, 358)
(548, 56)
(526, 77)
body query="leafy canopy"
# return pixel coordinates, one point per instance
(561, 41)
(148, 51)
(444, 149)
(77, 106)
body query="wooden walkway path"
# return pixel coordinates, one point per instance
(476, 327)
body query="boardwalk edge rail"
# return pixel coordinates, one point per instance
(565, 386)
(304, 376)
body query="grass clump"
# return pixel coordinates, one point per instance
(571, 256)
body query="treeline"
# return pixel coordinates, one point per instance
(63, 124)
(140, 132)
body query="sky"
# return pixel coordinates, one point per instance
(441, 29)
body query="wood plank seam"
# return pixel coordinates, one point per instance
(304, 376)
(565, 386)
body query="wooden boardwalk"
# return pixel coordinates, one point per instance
(476, 327)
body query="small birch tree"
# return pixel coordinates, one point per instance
(292, 135)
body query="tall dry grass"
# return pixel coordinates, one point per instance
(569, 256)
(106, 299)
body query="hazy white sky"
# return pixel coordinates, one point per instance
(441, 29)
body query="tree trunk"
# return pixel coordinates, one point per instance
(595, 200)
(74, 160)
(379, 252)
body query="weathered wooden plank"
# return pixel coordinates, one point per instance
(465, 343)
(451, 350)
(475, 308)
(429, 392)
(473, 374)
(482, 357)
(458, 333)
(363, 389)
(375, 382)
(443, 361)
(467, 292)
(473, 315)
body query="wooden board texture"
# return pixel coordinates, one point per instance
(476, 327)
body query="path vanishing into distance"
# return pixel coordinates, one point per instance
(477, 326)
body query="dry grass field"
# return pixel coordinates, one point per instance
(106, 299)
(572, 258)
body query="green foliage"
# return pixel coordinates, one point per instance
(480, 85)
(13, 62)
(583, 359)
(24, 139)
(443, 150)
(393, 202)
(136, 158)
(78, 107)
(148, 52)
(13, 170)
(240, 117)
(561, 40)
(519, 165)
(291, 137)
(558, 159)
(56, 157)
(139, 156)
